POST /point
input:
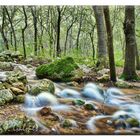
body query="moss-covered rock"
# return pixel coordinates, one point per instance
(43, 85)
(68, 123)
(1, 86)
(89, 106)
(78, 102)
(6, 96)
(20, 98)
(133, 122)
(123, 84)
(6, 66)
(62, 69)
(18, 124)
(16, 76)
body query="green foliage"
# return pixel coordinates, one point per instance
(129, 77)
(58, 70)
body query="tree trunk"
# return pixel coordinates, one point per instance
(23, 31)
(79, 31)
(110, 44)
(58, 49)
(5, 40)
(129, 72)
(34, 14)
(102, 46)
(12, 27)
(92, 44)
(137, 59)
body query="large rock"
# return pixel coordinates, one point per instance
(6, 96)
(18, 125)
(10, 56)
(123, 84)
(59, 70)
(43, 85)
(6, 66)
(16, 76)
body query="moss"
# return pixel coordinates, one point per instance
(133, 122)
(44, 85)
(78, 102)
(129, 77)
(89, 106)
(57, 70)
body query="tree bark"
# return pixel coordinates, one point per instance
(102, 46)
(5, 40)
(110, 44)
(34, 14)
(129, 72)
(137, 59)
(79, 31)
(23, 31)
(58, 49)
(12, 27)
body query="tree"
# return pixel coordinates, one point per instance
(23, 30)
(2, 27)
(12, 27)
(110, 44)
(101, 46)
(34, 15)
(79, 28)
(129, 71)
(58, 49)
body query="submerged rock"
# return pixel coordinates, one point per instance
(45, 111)
(18, 124)
(6, 96)
(43, 85)
(78, 102)
(61, 70)
(69, 93)
(93, 93)
(68, 123)
(90, 106)
(133, 122)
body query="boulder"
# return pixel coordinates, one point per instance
(19, 85)
(6, 96)
(103, 78)
(17, 91)
(6, 66)
(68, 123)
(20, 98)
(78, 102)
(123, 84)
(16, 76)
(43, 85)
(133, 122)
(18, 125)
(59, 70)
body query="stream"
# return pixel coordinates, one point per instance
(86, 110)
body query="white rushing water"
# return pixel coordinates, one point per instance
(112, 97)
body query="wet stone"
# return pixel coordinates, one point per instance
(68, 123)
(45, 111)
(79, 102)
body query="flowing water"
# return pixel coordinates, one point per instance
(90, 93)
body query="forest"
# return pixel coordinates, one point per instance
(69, 70)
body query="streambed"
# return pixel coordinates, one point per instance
(89, 109)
